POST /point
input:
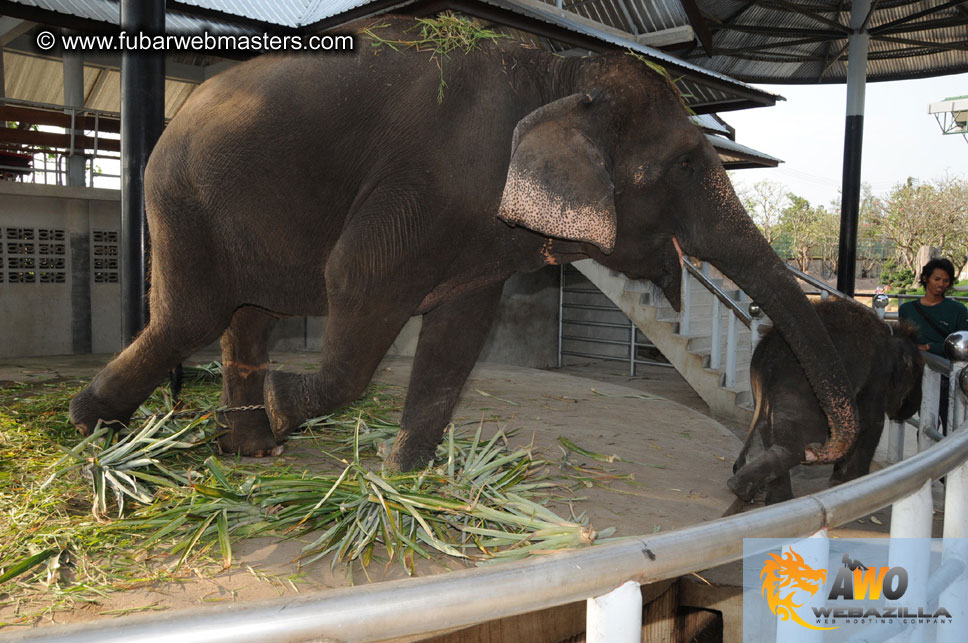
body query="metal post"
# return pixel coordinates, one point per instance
(561, 308)
(910, 519)
(142, 119)
(956, 503)
(716, 349)
(895, 441)
(930, 396)
(815, 551)
(631, 348)
(74, 103)
(732, 342)
(731, 351)
(879, 303)
(615, 617)
(957, 409)
(684, 316)
(853, 144)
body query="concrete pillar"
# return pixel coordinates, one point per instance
(74, 97)
(3, 85)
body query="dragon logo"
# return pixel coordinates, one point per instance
(783, 577)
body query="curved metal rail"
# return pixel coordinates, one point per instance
(415, 606)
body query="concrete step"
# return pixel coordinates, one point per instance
(660, 323)
(703, 344)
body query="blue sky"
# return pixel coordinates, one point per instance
(807, 131)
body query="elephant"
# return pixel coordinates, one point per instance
(884, 366)
(348, 186)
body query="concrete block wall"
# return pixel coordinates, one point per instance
(54, 239)
(60, 286)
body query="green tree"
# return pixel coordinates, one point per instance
(799, 227)
(917, 214)
(765, 202)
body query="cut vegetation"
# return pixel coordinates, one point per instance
(123, 508)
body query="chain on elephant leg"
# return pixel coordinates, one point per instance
(289, 402)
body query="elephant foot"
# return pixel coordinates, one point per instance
(744, 487)
(840, 476)
(407, 455)
(248, 434)
(87, 408)
(779, 491)
(766, 468)
(287, 401)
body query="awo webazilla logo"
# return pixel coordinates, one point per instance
(787, 581)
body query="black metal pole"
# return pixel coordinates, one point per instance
(853, 145)
(850, 204)
(142, 119)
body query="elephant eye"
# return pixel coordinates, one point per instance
(684, 164)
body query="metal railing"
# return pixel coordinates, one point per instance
(85, 135)
(633, 341)
(734, 310)
(463, 598)
(603, 575)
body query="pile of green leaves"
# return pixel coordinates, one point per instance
(159, 493)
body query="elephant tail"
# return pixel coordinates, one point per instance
(761, 417)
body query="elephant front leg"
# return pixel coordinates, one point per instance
(451, 340)
(245, 358)
(770, 466)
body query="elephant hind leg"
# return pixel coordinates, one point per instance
(759, 426)
(245, 358)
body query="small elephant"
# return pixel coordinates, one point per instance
(884, 366)
(346, 186)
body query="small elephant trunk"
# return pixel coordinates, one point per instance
(750, 262)
(767, 467)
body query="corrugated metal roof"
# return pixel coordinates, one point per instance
(41, 80)
(807, 43)
(703, 88)
(108, 11)
(732, 153)
(705, 91)
(711, 124)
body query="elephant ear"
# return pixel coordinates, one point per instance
(558, 182)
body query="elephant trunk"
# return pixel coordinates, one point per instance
(753, 265)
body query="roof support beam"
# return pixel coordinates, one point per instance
(11, 28)
(699, 24)
(789, 6)
(777, 31)
(925, 25)
(916, 15)
(948, 46)
(776, 45)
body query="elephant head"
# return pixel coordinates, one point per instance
(619, 166)
(903, 395)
